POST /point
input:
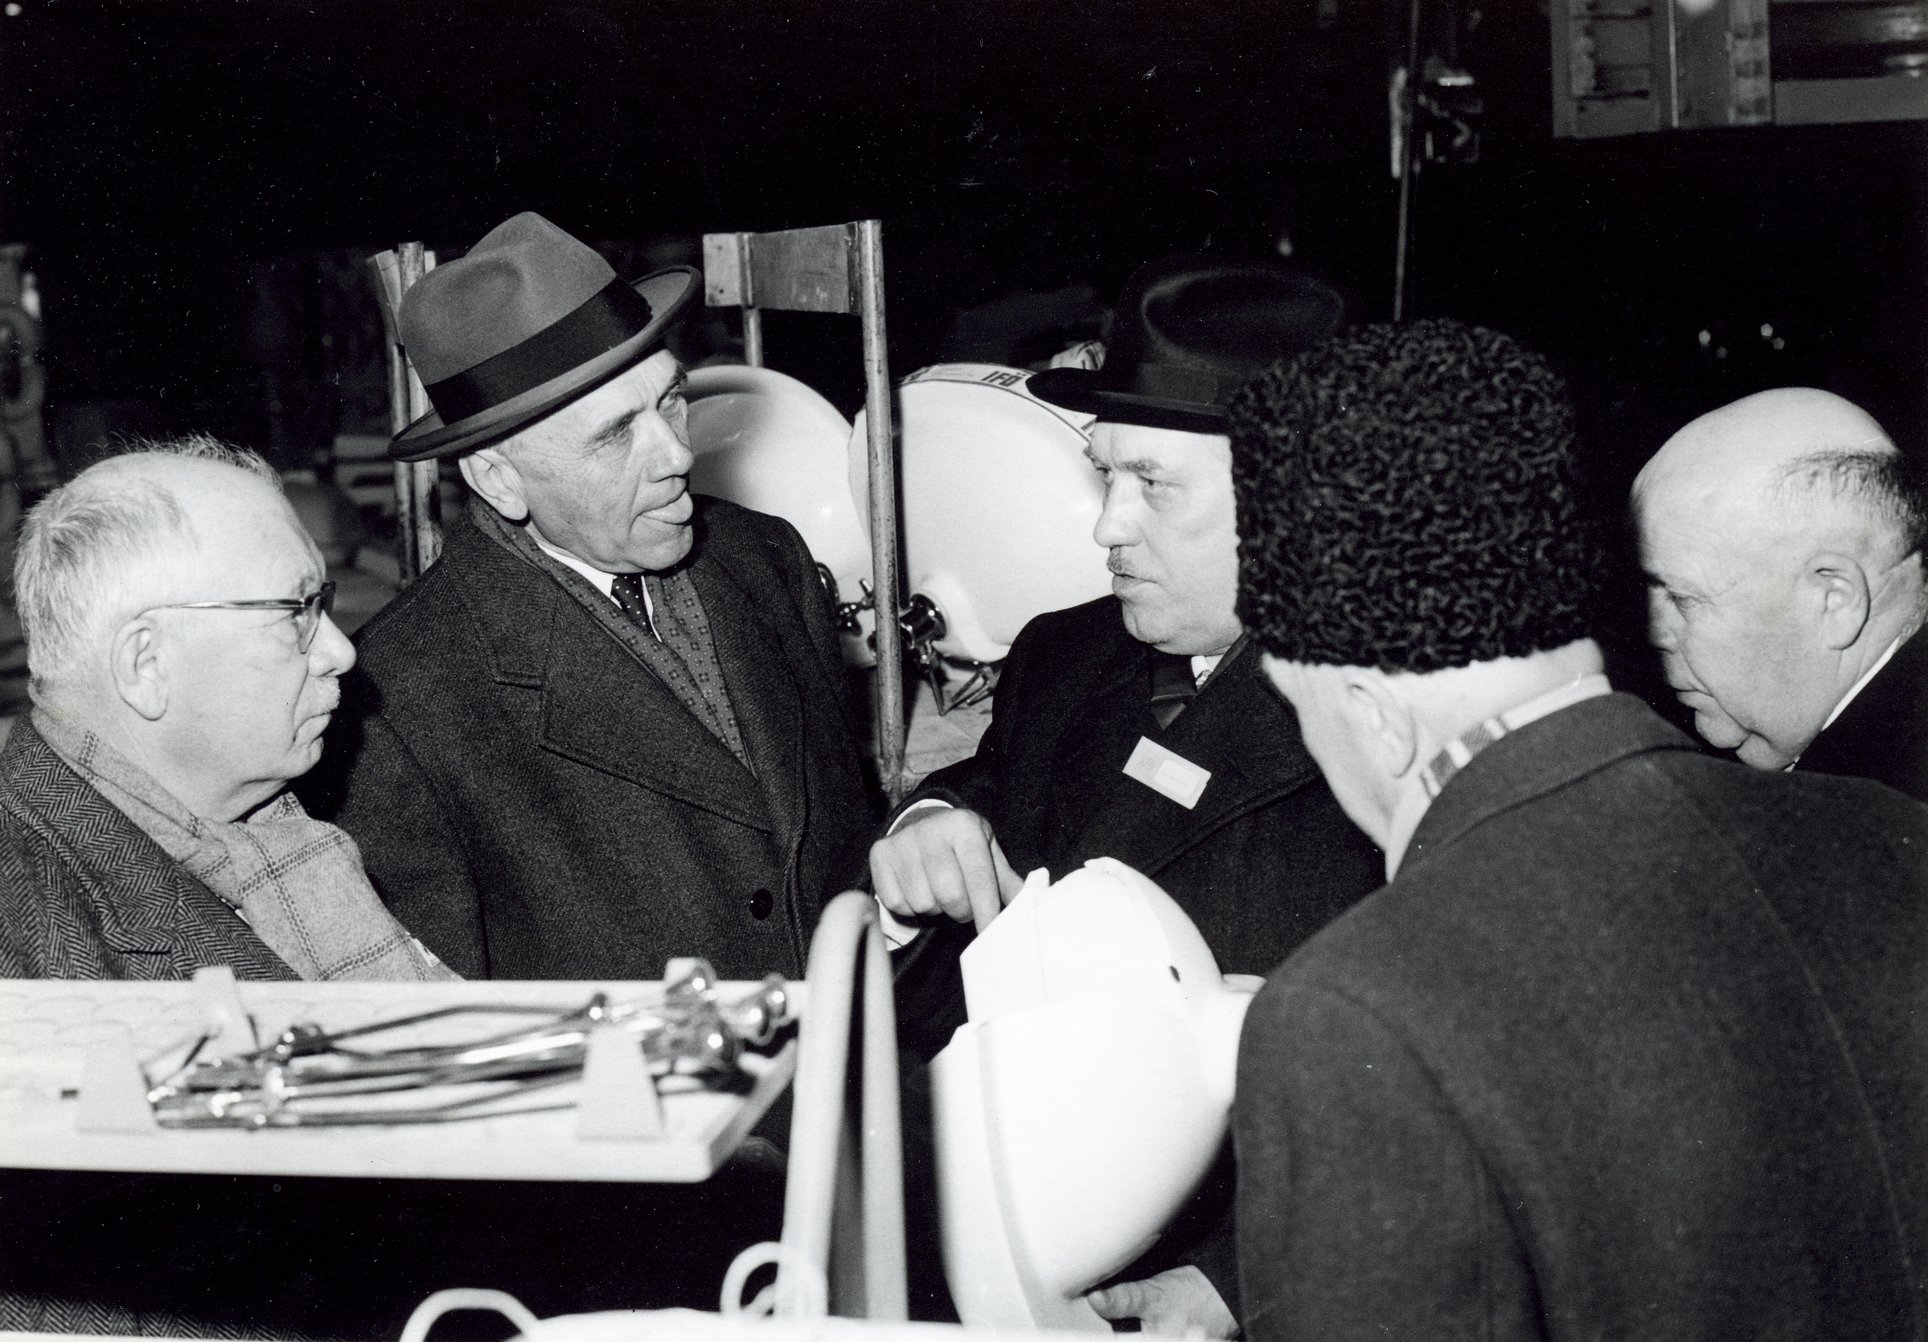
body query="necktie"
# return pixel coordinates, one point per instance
(627, 588)
(1172, 685)
(673, 616)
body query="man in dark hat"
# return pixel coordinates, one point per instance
(607, 727)
(1634, 1044)
(1138, 726)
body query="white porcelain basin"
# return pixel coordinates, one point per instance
(767, 441)
(1084, 1100)
(998, 503)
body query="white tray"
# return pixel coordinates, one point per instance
(49, 1028)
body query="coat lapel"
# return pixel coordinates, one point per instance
(768, 712)
(1236, 728)
(146, 906)
(1099, 728)
(540, 637)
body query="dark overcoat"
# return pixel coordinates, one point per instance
(85, 894)
(1265, 859)
(1635, 1046)
(1883, 733)
(532, 802)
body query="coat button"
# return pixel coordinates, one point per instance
(761, 903)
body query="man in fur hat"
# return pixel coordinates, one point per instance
(1634, 1042)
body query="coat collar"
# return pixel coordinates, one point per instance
(1540, 758)
(601, 706)
(1237, 727)
(1872, 735)
(139, 894)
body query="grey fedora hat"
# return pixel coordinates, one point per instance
(528, 321)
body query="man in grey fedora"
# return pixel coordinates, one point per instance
(1138, 726)
(608, 726)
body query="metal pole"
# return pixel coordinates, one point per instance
(418, 540)
(886, 1294)
(883, 510)
(753, 337)
(869, 1254)
(1402, 133)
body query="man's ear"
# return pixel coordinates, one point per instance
(1835, 593)
(135, 665)
(494, 476)
(1385, 721)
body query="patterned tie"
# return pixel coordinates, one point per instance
(1172, 685)
(627, 588)
(673, 614)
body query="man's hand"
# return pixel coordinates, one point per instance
(1173, 1303)
(943, 860)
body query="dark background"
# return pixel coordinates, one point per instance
(195, 180)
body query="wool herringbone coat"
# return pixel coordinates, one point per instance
(84, 894)
(533, 802)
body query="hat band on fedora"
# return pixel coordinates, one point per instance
(605, 320)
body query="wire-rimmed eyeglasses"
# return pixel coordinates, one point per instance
(308, 610)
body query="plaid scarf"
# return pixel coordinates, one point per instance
(297, 881)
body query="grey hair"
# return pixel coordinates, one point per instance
(1880, 485)
(80, 544)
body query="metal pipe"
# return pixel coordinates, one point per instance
(753, 337)
(1403, 138)
(883, 511)
(418, 539)
(846, 933)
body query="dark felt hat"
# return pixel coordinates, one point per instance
(527, 322)
(1187, 331)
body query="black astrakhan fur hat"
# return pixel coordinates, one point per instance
(1407, 501)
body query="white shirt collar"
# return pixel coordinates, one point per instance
(597, 578)
(1848, 698)
(601, 581)
(1862, 683)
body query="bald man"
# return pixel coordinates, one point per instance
(1631, 1044)
(184, 667)
(1782, 540)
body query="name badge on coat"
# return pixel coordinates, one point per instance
(1167, 773)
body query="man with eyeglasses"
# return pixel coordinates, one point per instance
(184, 668)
